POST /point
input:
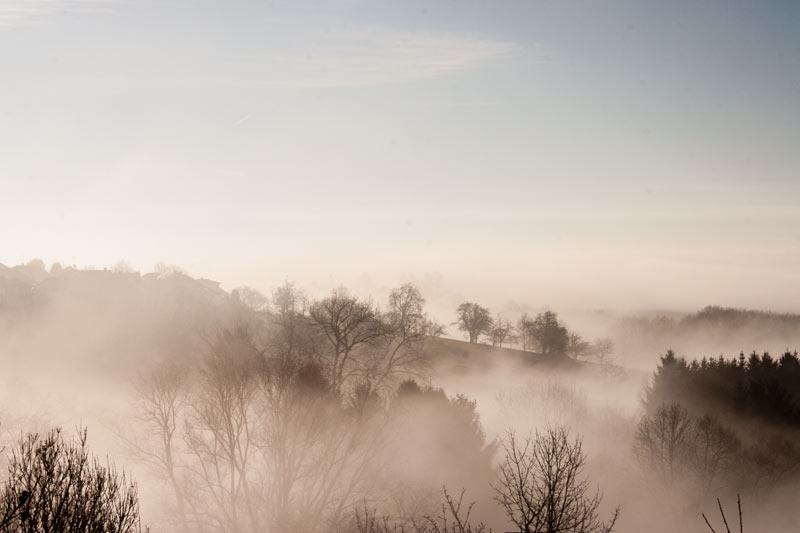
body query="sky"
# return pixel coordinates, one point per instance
(596, 154)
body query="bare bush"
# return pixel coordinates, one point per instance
(454, 518)
(54, 485)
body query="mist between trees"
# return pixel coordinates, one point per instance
(244, 412)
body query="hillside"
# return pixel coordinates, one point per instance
(458, 356)
(112, 321)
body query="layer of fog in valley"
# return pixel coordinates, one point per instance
(271, 410)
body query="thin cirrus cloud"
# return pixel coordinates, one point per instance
(22, 12)
(296, 54)
(355, 57)
(375, 56)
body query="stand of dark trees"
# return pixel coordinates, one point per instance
(758, 386)
(725, 423)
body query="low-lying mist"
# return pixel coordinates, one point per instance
(245, 411)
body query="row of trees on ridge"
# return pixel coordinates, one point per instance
(543, 333)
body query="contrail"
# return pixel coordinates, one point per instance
(242, 120)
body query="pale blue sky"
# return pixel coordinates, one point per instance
(598, 153)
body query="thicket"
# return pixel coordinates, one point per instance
(55, 485)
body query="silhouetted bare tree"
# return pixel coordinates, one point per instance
(524, 326)
(502, 332)
(292, 339)
(256, 442)
(162, 398)
(541, 487)
(713, 450)
(316, 451)
(221, 429)
(576, 346)
(603, 349)
(349, 324)
(401, 350)
(252, 298)
(549, 335)
(674, 444)
(367, 346)
(662, 441)
(473, 319)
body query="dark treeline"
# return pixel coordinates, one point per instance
(725, 424)
(756, 386)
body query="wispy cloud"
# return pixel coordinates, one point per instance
(22, 12)
(374, 55)
(243, 120)
(353, 57)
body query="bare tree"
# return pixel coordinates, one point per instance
(502, 332)
(661, 442)
(349, 324)
(577, 346)
(162, 398)
(55, 485)
(724, 519)
(165, 270)
(316, 452)
(267, 443)
(524, 327)
(252, 298)
(713, 450)
(401, 350)
(434, 329)
(603, 349)
(120, 267)
(288, 300)
(541, 487)
(549, 335)
(221, 430)
(674, 444)
(292, 337)
(474, 319)
(369, 346)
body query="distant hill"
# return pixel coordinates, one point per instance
(711, 331)
(125, 318)
(107, 319)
